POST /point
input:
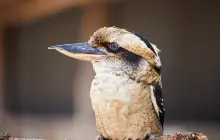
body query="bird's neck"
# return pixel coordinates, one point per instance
(110, 87)
(145, 75)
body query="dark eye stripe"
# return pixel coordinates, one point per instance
(144, 40)
(158, 69)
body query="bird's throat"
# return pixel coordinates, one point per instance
(109, 86)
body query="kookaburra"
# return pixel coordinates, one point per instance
(126, 90)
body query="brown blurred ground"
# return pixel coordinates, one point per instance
(46, 95)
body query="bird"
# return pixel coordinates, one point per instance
(126, 92)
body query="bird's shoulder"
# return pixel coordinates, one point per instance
(158, 102)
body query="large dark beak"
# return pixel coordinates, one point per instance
(81, 51)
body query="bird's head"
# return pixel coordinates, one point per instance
(118, 52)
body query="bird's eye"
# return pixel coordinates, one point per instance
(113, 46)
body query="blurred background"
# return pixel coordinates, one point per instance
(44, 94)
